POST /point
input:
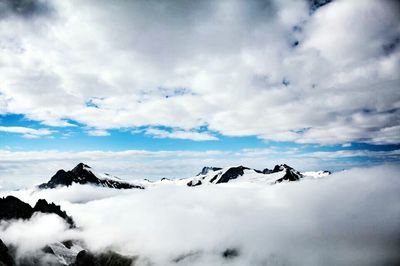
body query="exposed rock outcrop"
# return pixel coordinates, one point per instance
(14, 208)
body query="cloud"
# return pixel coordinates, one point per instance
(24, 8)
(350, 217)
(35, 233)
(27, 132)
(353, 153)
(265, 68)
(180, 134)
(98, 133)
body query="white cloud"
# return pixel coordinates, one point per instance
(98, 133)
(353, 153)
(34, 234)
(354, 213)
(180, 134)
(27, 132)
(215, 64)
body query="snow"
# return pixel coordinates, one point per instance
(316, 174)
(250, 177)
(107, 177)
(65, 255)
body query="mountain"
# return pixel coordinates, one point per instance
(109, 258)
(84, 174)
(235, 174)
(14, 208)
(5, 257)
(207, 169)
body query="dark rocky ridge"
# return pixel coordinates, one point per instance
(207, 169)
(193, 183)
(42, 206)
(290, 175)
(5, 257)
(232, 173)
(14, 208)
(82, 174)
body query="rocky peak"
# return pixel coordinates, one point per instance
(231, 173)
(83, 174)
(207, 169)
(80, 167)
(14, 208)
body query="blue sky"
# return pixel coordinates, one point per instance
(75, 138)
(216, 83)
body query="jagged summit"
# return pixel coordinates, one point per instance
(84, 174)
(207, 169)
(14, 208)
(80, 167)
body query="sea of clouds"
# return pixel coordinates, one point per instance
(349, 218)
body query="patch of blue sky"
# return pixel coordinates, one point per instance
(76, 138)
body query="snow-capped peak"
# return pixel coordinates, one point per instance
(84, 174)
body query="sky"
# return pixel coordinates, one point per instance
(151, 89)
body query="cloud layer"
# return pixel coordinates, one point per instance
(348, 218)
(264, 68)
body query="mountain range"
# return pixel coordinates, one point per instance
(84, 174)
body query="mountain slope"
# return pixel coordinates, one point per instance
(14, 208)
(236, 174)
(84, 174)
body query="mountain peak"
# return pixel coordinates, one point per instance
(207, 169)
(80, 167)
(83, 174)
(216, 175)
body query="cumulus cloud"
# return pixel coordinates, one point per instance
(269, 69)
(27, 132)
(34, 234)
(348, 218)
(98, 133)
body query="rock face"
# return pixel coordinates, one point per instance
(13, 208)
(42, 206)
(85, 258)
(194, 183)
(83, 174)
(207, 169)
(290, 175)
(5, 257)
(231, 173)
